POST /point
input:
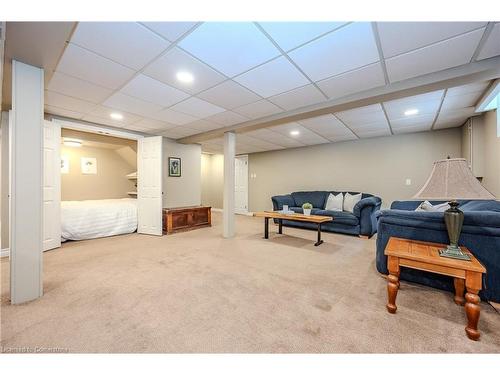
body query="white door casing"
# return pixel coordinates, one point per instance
(51, 185)
(149, 185)
(241, 184)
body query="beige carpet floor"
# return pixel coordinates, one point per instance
(196, 292)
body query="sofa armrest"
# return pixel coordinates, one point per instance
(280, 200)
(366, 210)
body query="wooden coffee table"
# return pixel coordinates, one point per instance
(425, 256)
(294, 217)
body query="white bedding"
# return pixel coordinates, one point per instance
(82, 220)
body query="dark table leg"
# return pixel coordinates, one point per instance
(266, 228)
(280, 226)
(320, 241)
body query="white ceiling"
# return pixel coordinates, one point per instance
(245, 71)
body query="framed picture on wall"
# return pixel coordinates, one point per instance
(174, 167)
(89, 165)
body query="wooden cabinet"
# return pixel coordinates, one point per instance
(186, 218)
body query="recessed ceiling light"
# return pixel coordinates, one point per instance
(411, 112)
(116, 116)
(72, 142)
(294, 132)
(185, 77)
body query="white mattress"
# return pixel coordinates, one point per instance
(82, 220)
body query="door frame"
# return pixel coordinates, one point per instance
(242, 211)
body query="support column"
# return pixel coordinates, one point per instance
(228, 208)
(26, 137)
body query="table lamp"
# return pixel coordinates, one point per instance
(452, 179)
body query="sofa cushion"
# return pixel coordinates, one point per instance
(335, 202)
(342, 217)
(316, 198)
(481, 206)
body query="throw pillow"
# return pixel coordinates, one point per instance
(350, 201)
(429, 207)
(334, 202)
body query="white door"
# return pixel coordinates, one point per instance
(51, 185)
(241, 184)
(149, 185)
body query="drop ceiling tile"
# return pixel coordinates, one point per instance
(227, 118)
(262, 144)
(305, 135)
(453, 118)
(425, 104)
(230, 47)
(443, 55)
(130, 104)
(62, 112)
(373, 133)
(400, 37)
(358, 80)
(468, 89)
(411, 129)
(67, 85)
(203, 125)
(348, 48)
(301, 97)
(151, 90)
(127, 43)
(363, 115)
(460, 101)
(258, 109)
(154, 124)
(275, 138)
(273, 78)
(105, 113)
(289, 35)
(229, 95)
(197, 108)
(173, 117)
(412, 121)
(492, 45)
(326, 125)
(170, 30)
(103, 121)
(179, 132)
(166, 67)
(88, 66)
(67, 102)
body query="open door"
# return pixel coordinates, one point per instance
(51, 185)
(149, 185)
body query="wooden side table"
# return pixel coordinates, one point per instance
(424, 256)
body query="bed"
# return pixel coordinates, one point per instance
(83, 220)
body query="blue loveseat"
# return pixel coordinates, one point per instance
(361, 221)
(480, 234)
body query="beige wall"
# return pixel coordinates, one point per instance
(379, 166)
(212, 180)
(491, 149)
(109, 182)
(185, 190)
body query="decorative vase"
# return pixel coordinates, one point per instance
(307, 211)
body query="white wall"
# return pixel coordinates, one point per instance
(212, 180)
(185, 190)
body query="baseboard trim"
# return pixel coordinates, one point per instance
(237, 213)
(4, 252)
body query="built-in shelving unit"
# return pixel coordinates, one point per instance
(133, 176)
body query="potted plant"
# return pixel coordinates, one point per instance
(307, 207)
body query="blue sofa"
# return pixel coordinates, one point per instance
(361, 222)
(480, 234)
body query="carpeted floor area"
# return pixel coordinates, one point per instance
(196, 292)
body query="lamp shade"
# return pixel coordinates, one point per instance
(452, 179)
